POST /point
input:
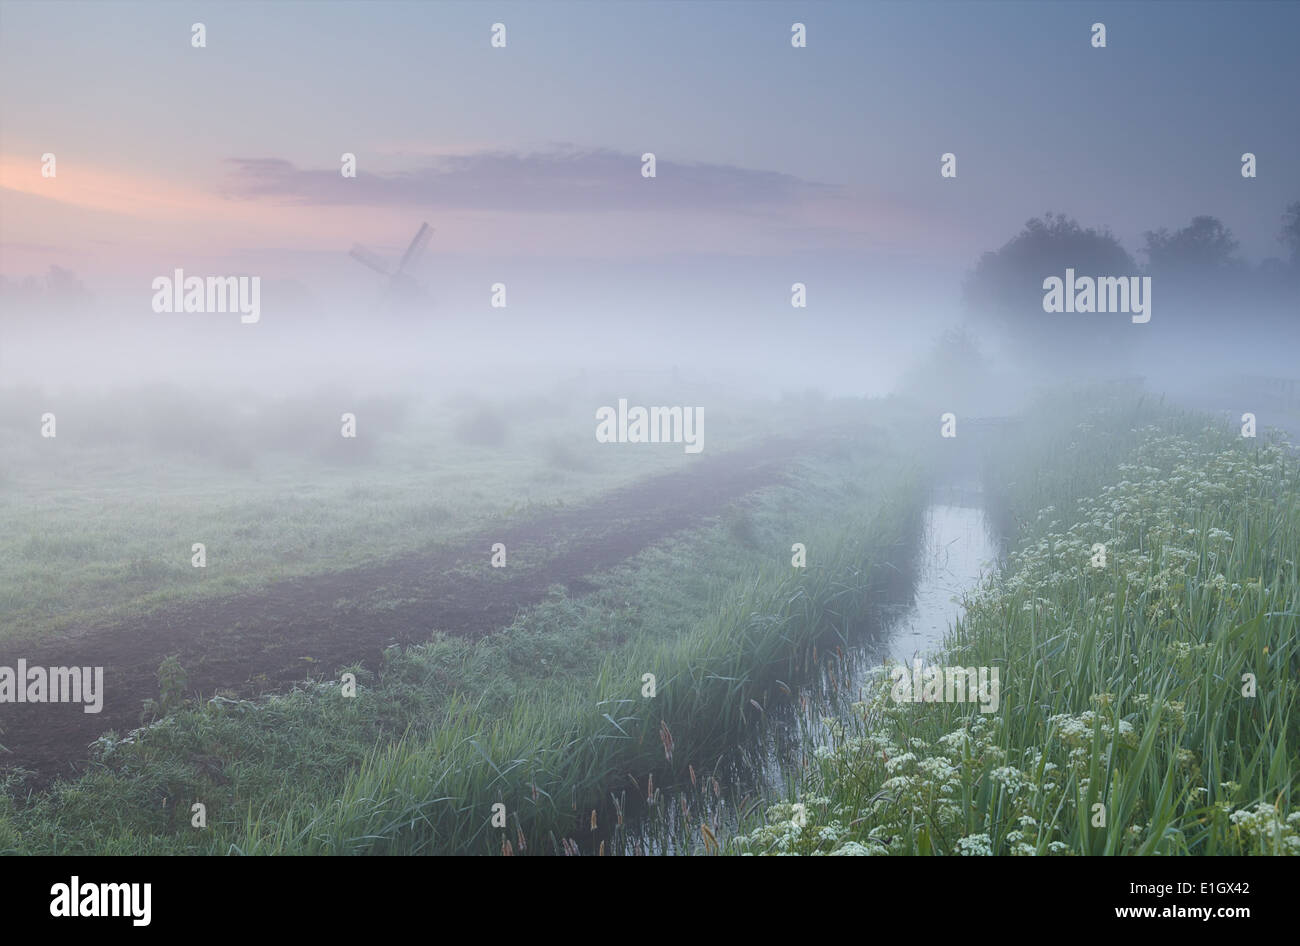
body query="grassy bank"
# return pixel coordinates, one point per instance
(1148, 704)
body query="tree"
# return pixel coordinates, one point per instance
(63, 285)
(1203, 248)
(1290, 233)
(953, 372)
(1005, 289)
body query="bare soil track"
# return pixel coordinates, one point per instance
(254, 642)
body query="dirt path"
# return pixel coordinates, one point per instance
(259, 641)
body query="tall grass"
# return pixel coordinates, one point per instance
(1148, 705)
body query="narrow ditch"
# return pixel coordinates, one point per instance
(957, 546)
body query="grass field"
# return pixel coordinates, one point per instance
(1123, 684)
(544, 716)
(98, 523)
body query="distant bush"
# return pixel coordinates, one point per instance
(562, 455)
(483, 426)
(232, 430)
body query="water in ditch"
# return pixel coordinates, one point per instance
(957, 548)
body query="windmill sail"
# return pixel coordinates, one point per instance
(364, 256)
(416, 247)
(403, 288)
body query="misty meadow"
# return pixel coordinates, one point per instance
(355, 493)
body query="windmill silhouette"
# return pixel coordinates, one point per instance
(403, 288)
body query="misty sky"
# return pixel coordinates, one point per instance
(165, 151)
(776, 165)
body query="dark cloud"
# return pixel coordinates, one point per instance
(552, 181)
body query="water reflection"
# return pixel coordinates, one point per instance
(957, 550)
(957, 547)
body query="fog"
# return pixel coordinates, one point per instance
(740, 331)
(730, 236)
(727, 320)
